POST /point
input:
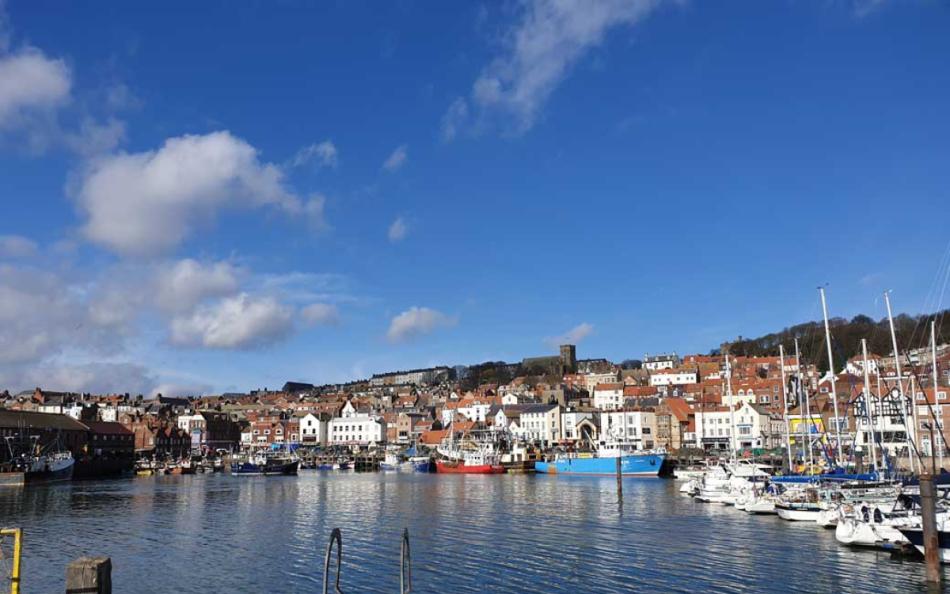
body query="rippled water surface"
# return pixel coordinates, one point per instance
(218, 533)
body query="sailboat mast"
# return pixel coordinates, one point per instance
(732, 410)
(831, 370)
(867, 401)
(788, 437)
(939, 409)
(900, 384)
(803, 394)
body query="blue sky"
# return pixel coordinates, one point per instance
(229, 195)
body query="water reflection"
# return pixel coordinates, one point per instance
(469, 534)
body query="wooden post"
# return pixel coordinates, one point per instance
(89, 575)
(619, 478)
(928, 512)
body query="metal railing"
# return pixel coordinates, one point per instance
(17, 535)
(405, 563)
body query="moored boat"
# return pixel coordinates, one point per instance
(603, 462)
(462, 467)
(266, 464)
(50, 468)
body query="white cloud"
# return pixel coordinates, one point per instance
(147, 203)
(320, 314)
(324, 154)
(398, 230)
(397, 159)
(98, 378)
(175, 389)
(539, 53)
(94, 138)
(572, 336)
(16, 246)
(417, 321)
(42, 314)
(454, 119)
(29, 83)
(239, 322)
(182, 285)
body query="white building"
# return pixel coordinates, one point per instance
(630, 427)
(541, 422)
(754, 428)
(354, 428)
(474, 410)
(673, 377)
(658, 362)
(313, 430)
(608, 396)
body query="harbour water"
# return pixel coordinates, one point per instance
(469, 533)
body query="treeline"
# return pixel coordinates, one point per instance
(912, 332)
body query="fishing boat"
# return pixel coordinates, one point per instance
(395, 461)
(471, 463)
(39, 464)
(266, 464)
(421, 463)
(603, 462)
(50, 468)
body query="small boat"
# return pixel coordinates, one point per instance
(393, 461)
(916, 537)
(188, 467)
(144, 467)
(269, 464)
(693, 471)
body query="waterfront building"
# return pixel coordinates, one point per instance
(314, 429)
(356, 428)
(541, 423)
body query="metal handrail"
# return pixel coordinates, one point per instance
(405, 565)
(17, 534)
(337, 537)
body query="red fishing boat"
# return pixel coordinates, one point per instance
(469, 458)
(460, 467)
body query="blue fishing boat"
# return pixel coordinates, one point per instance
(604, 463)
(421, 463)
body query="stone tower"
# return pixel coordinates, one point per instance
(569, 358)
